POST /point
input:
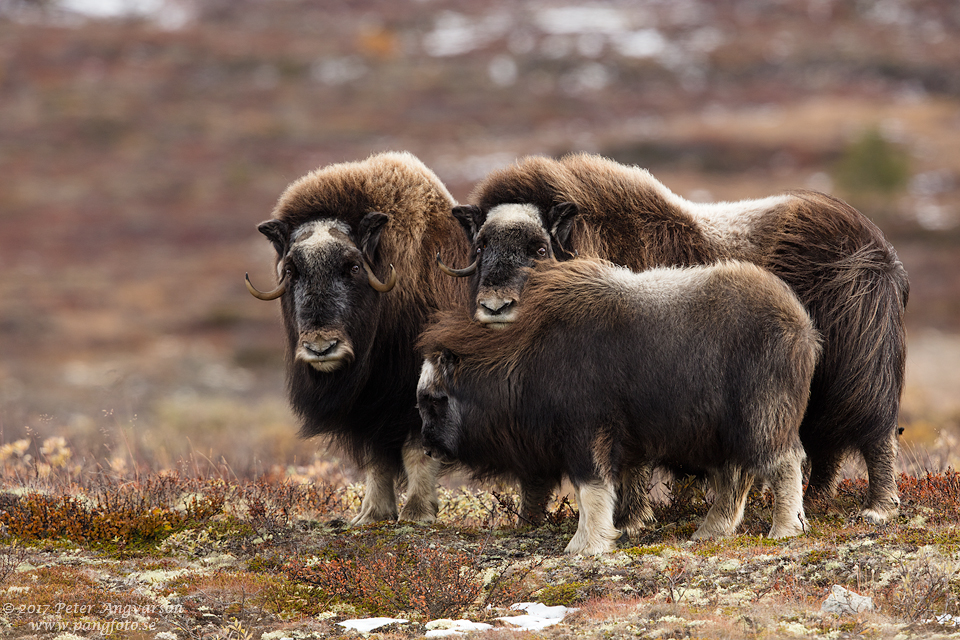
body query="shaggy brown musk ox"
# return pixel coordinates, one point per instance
(352, 365)
(703, 367)
(838, 262)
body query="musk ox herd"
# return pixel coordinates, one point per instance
(600, 327)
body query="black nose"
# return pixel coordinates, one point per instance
(321, 349)
(498, 307)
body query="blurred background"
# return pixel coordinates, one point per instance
(141, 141)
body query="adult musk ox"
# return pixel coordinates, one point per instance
(838, 263)
(355, 249)
(701, 367)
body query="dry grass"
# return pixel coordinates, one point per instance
(209, 555)
(148, 459)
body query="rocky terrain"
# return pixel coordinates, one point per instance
(153, 483)
(171, 556)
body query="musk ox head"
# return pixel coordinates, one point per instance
(328, 288)
(439, 413)
(507, 240)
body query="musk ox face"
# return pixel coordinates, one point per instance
(508, 240)
(330, 295)
(438, 412)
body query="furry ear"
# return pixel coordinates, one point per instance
(560, 223)
(470, 217)
(369, 233)
(447, 359)
(278, 232)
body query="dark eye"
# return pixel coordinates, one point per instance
(355, 269)
(542, 252)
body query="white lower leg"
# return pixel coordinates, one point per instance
(883, 502)
(379, 499)
(595, 531)
(731, 485)
(787, 483)
(422, 502)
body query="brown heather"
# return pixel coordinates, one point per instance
(201, 556)
(137, 160)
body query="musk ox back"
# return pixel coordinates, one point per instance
(355, 245)
(845, 273)
(605, 370)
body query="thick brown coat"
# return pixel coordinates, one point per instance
(387, 210)
(837, 261)
(703, 368)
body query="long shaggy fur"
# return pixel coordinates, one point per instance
(699, 368)
(368, 408)
(845, 273)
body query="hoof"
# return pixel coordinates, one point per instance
(576, 547)
(879, 515)
(873, 516)
(424, 513)
(700, 534)
(372, 518)
(786, 532)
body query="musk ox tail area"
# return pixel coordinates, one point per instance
(856, 294)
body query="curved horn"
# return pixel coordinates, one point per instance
(267, 295)
(376, 284)
(456, 273)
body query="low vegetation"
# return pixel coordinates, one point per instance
(171, 554)
(138, 158)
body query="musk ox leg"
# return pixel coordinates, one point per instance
(534, 497)
(787, 484)
(883, 501)
(380, 498)
(633, 511)
(422, 502)
(595, 531)
(731, 485)
(824, 473)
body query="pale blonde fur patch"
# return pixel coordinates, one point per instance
(514, 213)
(662, 285)
(428, 374)
(316, 233)
(595, 532)
(728, 224)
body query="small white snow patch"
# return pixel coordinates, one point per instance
(366, 625)
(645, 43)
(538, 616)
(448, 627)
(577, 20)
(455, 34)
(946, 620)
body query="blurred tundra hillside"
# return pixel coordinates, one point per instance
(141, 142)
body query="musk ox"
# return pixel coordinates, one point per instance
(845, 273)
(352, 363)
(706, 368)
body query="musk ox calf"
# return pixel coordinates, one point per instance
(604, 370)
(352, 363)
(845, 273)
